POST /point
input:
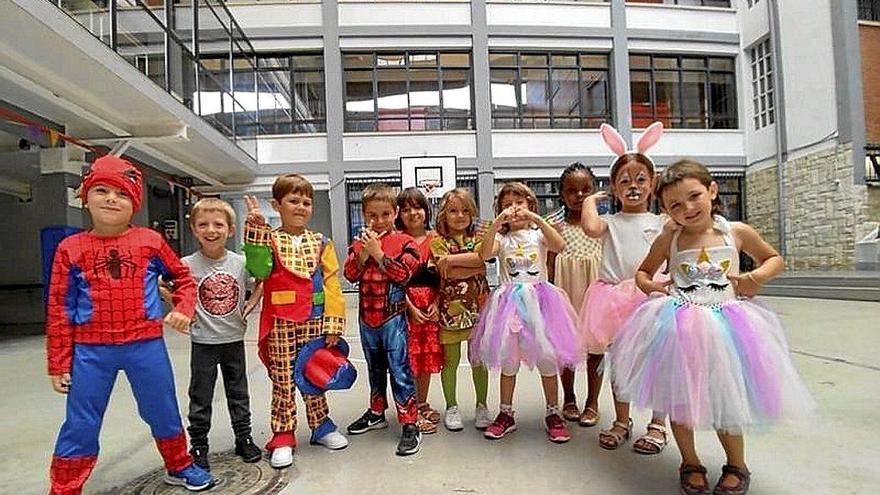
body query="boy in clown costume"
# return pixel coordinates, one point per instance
(302, 300)
(105, 316)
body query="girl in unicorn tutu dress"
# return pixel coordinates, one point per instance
(626, 237)
(702, 351)
(526, 320)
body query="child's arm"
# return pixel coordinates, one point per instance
(656, 257)
(252, 301)
(592, 223)
(770, 263)
(489, 246)
(353, 267)
(183, 296)
(257, 241)
(401, 268)
(59, 329)
(334, 301)
(552, 237)
(453, 265)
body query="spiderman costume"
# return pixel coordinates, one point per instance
(105, 316)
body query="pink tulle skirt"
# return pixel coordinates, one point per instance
(606, 309)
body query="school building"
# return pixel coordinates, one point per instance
(778, 97)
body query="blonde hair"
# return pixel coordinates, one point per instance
(519, 189)
(379, 191)
(292, 183)
(467, 201)
(206, 205)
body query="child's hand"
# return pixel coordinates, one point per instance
(254, 212)
(433, 312)
(331, 340)
(596, 197)
(650, 286)
(442, 264)
(505, 216)
(61, 383)
(372, 244)
(745, 284)
(178, 321)
(165, 293)
(670, 226)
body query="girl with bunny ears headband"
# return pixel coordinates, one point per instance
(632, 189)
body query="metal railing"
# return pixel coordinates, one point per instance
(200, 55)
(872, 164)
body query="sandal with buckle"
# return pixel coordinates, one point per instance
(743, 479)
(650, 445)
(425, 426)
(589, 418)
(570, 411)
(429, 413)
(612, 440)
(685, 487)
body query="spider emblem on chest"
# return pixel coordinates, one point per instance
(115, 265)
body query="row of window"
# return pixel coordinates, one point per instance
(869, 10)
(433, 90)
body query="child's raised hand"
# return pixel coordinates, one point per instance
(745, 285)
(596, 197)
(60, 383)
(372, 244)
(254, 212)
(505, 216)
(178, 321)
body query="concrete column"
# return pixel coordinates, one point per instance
(482, 108)
(622, 109)
(334, 94)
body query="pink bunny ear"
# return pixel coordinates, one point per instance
(650, 137)
(613, 139)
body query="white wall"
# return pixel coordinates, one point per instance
(808, 69)
(667, 17)
(548, 14)
(301, 148)
(384, 13)
(386, 146)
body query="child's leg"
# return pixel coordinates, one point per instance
(423, 384)
(234, 369)
(735, 449)
(317, 410)
(203, 376)
(594, 380)
(508, 384)
(148, 369)
(480, 376)
(76, 450)
(281, 345)
(620, 430)
(377, 366)
(551, 390)
(684, 438)
(449, 373)
(567, 379)
(402, 383)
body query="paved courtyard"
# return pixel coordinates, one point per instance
(835, 345)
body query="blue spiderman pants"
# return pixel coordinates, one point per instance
(93, 373)
(385, 349)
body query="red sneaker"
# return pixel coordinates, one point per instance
(503, 424)
(556, 430)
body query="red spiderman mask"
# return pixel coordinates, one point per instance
(116, 172)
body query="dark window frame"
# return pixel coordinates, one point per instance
(710, 118)
(869, 10)
(519, 116)
(689, 3)
(762, 67)
(352, 124)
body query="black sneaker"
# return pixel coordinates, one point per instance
(200, 457)
(246, 449)
(410, 440)
(369, 421)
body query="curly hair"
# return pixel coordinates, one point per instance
(466, 200)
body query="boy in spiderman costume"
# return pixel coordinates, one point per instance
(105, 316)
(302, 300)
(382, 261)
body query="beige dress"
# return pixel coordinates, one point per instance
(577, 266)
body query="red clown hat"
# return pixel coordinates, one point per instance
(319, 368)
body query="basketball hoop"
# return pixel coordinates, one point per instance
(428, 185)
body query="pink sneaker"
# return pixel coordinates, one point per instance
(556, 430)
(503, 424)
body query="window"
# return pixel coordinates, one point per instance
(549, 90)
(683, 91)
(408, 91)
(869, 10)
(752, 3)
(762, 84)
(690, 3)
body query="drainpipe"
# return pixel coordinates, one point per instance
(779, 105)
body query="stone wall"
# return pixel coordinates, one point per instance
(762, 197)
(825, 213)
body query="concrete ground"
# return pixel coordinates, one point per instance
(835, 346)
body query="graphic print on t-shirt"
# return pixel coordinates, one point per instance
(218, 293)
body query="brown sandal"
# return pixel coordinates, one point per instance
(589, 418)
(685, 487)
(570, 412)
(614, 438)
(649, 445)
(427, 412)
(743, 478)
(425, 426)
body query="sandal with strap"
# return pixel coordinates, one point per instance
(612, 440)
(743, 478)
(685, 487)
(589, 418)
(570, 411)
(429, 413)
(650, 445)
(425, 426)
